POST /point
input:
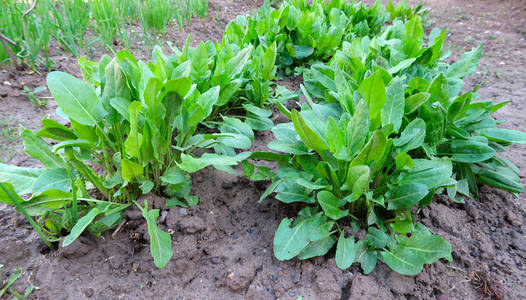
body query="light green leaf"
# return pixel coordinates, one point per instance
(331, 205)
(84, 222)
(39, 149)
(405, 196)
(308, 136)
(160, 241)
(393, 110)
(21, 179)
(345, 251)
(78, 100)
(131, 171)
(52, 179)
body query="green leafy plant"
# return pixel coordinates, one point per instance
(390, 131)
(134, 134)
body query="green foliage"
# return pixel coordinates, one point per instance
(134, 130)
(388, 128)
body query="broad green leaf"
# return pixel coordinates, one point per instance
(374, 150)
(269, 59)
(357, 180)
(54, 130)
(160, 241)
(331, 205)
(39, 149)
(131, 171)
(84, 222)
(401, 66)
(471, 151)
(432, 173)
(466, 65)
(372, 89)
(289, 242)
(393, 110)
(376, 237)
(403, 161)
(308, 136)
(357, 130)
(5, 197)
(121, 105)
(413, 102)
(133, 143)
(192, 164)
(75, 98)
(405, 196)
(412, 137)
(21, 179)
(503, 135)
(408, 257)
(173, 175)
(50, 200)
(52, 179)
(318, 248)
(345, 251)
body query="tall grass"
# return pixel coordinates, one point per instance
(113, 22)
(70, 20)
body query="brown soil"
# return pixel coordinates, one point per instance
(223, 247)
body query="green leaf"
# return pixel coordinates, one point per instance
(121, 105)
(502, 135)
(413, 102)
(403, 161)
(21, 179)
(372, 89)
(393, 110)
(191, 164)
(76, 99)
(83, 223)
(376, 237)
(466, 65)
(269, 59)
(289, 242)
(471, 151)
(39, 149)
(132, 145)
(318, 248)
(308, 136)
(50, 200)
(5, 197)
(52, 179)
(54, 130)
(131, 171)
(405, 196)
(401, 66)
(412, 137)
(160, 241)
(345, 251)
(358, 129)
(331, 205)
(357, 180)
(408, 257)
(173, 175)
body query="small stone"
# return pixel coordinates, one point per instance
(216, 260)
(7, 83)
(4, 94)
(88, 292)
(296, 277)
(133, 213)
(183, 211)
(240, 276)
(227, 185)
(292, 293)
(513, 219)
(443, 297)
(192, 224)
(78, 248)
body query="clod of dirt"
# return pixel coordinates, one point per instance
(447, 218)
(513, 219)
(185, 270)
(133, 213)
(365, 287)
(88, 292)
(153, 201)
(239, 276)
(186, 247)
(78, 248)
(192, 225)
(327, 285)
(400, 284)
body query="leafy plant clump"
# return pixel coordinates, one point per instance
(134, 131)
(390, 130)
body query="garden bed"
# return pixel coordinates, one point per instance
(223, 246)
